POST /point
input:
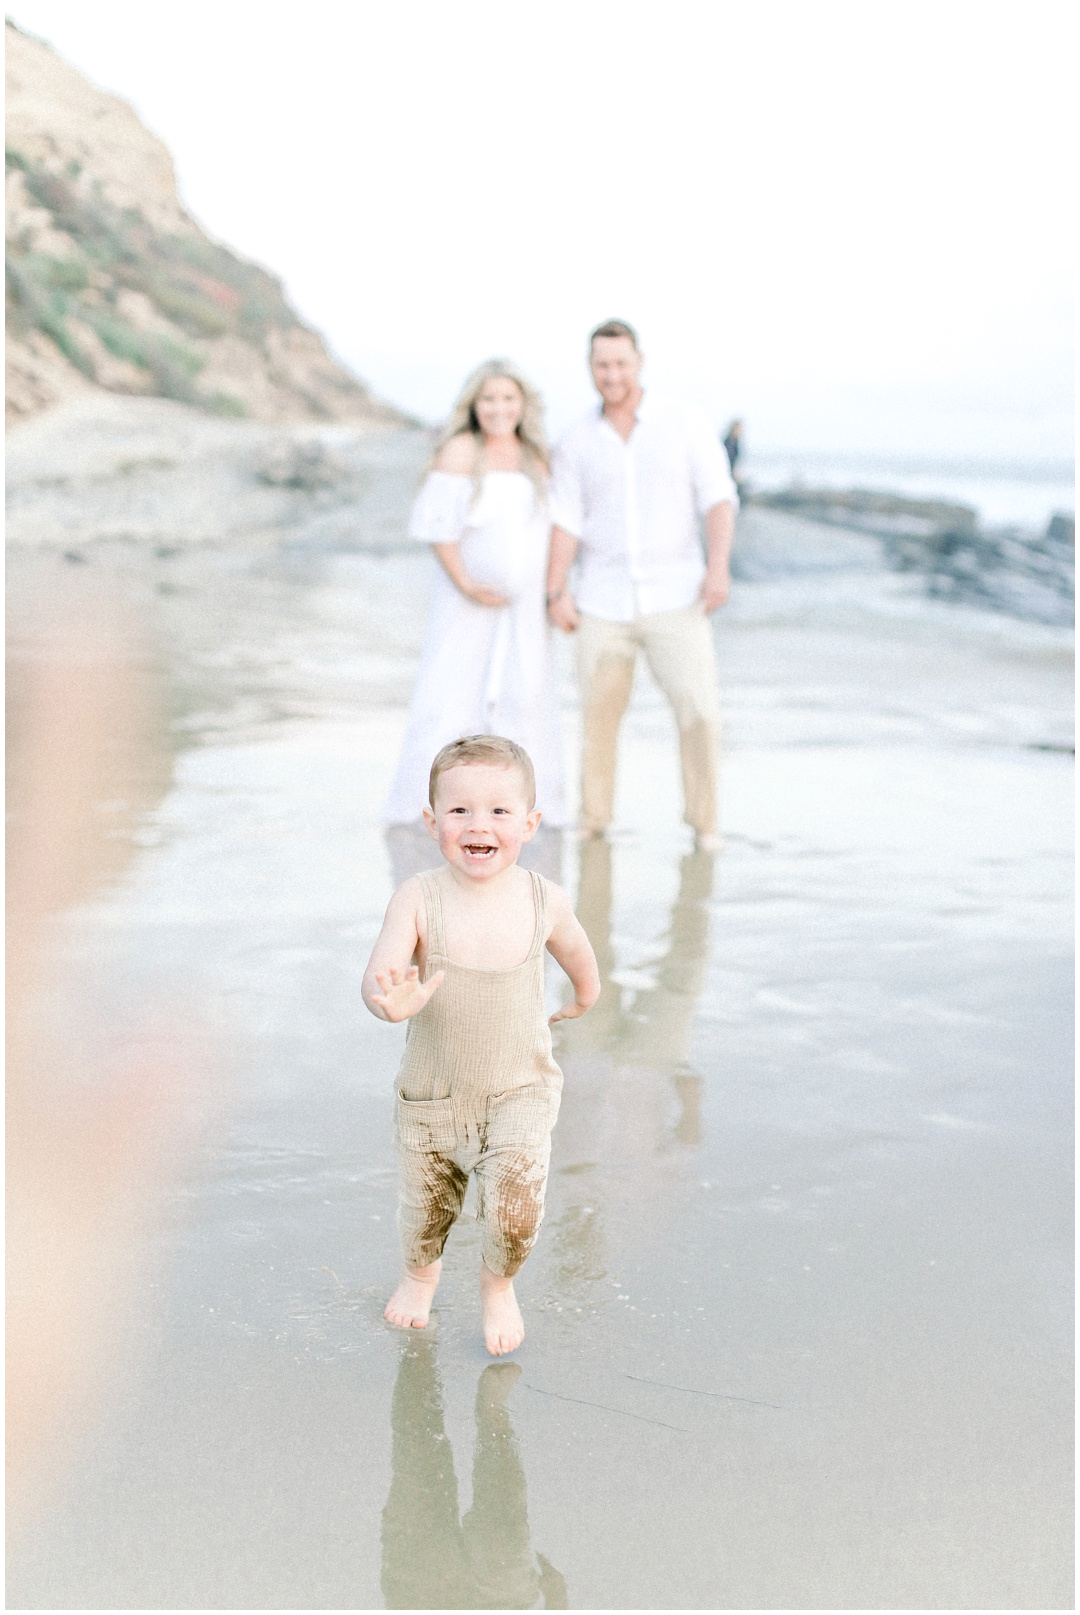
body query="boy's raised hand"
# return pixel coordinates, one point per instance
(401, 992)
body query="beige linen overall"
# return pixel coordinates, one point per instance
(477, 1091)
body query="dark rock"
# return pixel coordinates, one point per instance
(1028, 575)
(306, 464)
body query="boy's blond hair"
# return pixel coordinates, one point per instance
(494, 750)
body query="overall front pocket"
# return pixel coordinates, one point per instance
(522, 1116)
(428, 1125)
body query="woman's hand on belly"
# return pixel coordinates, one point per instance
(502, 561)
(483, 594)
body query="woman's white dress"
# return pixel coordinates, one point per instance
(484, 669)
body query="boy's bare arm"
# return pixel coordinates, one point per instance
(571, 948)
(392, 988)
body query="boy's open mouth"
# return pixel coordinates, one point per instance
(478, 849)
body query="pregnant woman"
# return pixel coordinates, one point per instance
(487, 665)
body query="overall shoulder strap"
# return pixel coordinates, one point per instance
(433, 911)
(539, 889)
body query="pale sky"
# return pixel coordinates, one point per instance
(851, 223)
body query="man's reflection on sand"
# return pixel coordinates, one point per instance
(432, 1559)
(624, 1064)
(644, 1035)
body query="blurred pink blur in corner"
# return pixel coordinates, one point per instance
(97, 1121)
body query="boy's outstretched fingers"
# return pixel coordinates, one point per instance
(403, 993)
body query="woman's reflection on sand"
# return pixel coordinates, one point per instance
(432, 1559)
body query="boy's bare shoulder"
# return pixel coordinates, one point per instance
(407, 907)
(409, 893)
(559, 906)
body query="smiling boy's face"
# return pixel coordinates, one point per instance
(481, 818)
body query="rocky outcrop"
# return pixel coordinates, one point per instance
(1027, 574)
(868, 511)
(112, 285)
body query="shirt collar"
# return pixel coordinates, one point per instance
(645, 411)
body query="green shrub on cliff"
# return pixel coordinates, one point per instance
(201, 289)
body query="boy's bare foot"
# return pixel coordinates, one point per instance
(410, 1305)
(504, 1329)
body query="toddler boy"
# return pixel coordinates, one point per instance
(461, 958)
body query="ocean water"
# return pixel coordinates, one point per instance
(1021, 494)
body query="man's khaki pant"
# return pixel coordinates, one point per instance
(678, 647)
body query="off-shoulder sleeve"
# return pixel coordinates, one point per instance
(441, 508)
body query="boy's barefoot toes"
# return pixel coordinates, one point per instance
(504, 1329)
(410, 1305)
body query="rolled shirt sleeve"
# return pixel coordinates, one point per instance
(441, 508)
(709, 468)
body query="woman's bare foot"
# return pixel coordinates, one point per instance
(504, 1329)
(410, 1305)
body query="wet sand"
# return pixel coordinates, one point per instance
(798, 1320)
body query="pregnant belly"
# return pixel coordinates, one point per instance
(503, 561)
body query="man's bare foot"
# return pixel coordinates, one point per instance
(410, 1305)
(504, 1329)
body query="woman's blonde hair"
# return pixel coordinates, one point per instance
(529, 430)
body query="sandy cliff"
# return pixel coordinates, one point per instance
(112, 285)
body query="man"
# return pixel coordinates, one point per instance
(629, 483)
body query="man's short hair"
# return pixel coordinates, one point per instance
(494, 750)
(615, 328)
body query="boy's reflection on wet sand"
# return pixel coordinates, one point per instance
(433, 1559)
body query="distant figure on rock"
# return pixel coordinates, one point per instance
(733, 446)
(488, 664)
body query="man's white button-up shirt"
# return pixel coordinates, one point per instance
(634, 507)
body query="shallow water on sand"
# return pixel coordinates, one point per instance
(798, 1320)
